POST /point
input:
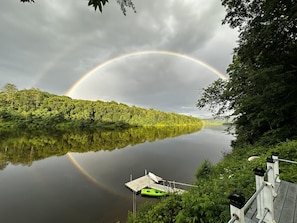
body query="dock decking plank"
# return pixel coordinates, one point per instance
(280, 199)
(288, 210)
(295, 211)
(139, 183)
(285, 205)
(251, 214)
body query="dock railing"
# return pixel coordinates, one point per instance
(174, 185)
(265, 193)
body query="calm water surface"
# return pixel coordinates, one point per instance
(89, 187)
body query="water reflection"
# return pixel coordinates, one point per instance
(26, 146)
(82, 180)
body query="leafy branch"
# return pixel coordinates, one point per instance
(98, 4)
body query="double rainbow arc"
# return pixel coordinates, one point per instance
(115, 59)
(140, 53)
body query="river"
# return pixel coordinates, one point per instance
(89, 186)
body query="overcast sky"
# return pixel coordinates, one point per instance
(52, 44)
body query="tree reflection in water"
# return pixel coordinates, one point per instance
(25, 147)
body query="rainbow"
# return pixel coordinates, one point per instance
(91, 178)
(115, 59)
(84, 172)
(140, 53)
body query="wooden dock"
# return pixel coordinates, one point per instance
(140, 183)
(151, 180)
(285, 205)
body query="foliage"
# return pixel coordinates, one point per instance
(98, 4)
(213, 97)
(34, 109)
(208, 201)
(165, 211)
(204, 170)
(261, 90)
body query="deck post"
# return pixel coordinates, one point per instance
(274, 156)
(268, 192)
(236, 207)
(259, 175)
(270, 168)
(133, 199)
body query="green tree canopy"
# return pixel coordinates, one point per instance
(35, 109)
(9, 88)
(261, 90)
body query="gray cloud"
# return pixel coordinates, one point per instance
(52, 44)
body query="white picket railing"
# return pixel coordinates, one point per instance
(265, 193)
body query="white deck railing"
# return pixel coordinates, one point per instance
(265, 193)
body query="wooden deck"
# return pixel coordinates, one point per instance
(285, 205)
(151, 181)
(140, 183)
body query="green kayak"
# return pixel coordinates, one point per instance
(153, 192)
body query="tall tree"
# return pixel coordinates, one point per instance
(9, 90)
(262, 86)
(98, 4)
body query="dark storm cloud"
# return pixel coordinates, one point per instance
(52, 44)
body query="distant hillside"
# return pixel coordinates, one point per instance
(32, 108)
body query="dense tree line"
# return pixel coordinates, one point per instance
(261, 90)
(33, 109)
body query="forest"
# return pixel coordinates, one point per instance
(260, 93)
(35, 109)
